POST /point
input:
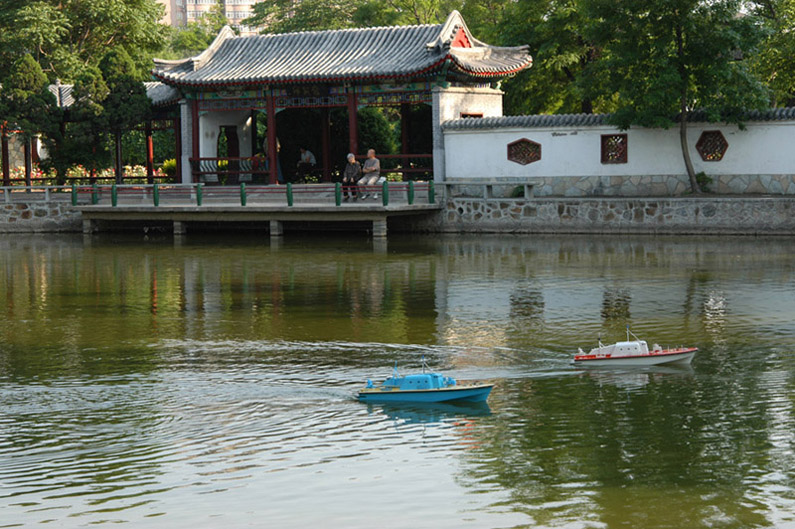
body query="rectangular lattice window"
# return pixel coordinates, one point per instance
(614, 148)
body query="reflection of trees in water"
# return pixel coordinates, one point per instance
(527, 304)
(615, 306)
(644, 457)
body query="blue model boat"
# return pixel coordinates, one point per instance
(424, 387)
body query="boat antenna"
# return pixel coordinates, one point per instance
(627, 332)
(424, 365)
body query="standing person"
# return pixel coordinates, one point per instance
(306, 163)
(353, 170)
(372, 172)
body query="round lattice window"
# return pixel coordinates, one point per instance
(524, 151)
(712, 145)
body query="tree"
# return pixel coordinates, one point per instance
(664, 58)
(555, 32)
(285, 16)
(26, 102)
(773, 63)
(126, 105)
(67, 36)
(84, 137)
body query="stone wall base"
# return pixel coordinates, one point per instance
(33, 217)
(760, 215)
(641, 186)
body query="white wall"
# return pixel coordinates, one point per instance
(450, 103)
(210, 124)
(763, 148)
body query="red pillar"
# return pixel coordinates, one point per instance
(273, 155)
(195, 130)
(150, 154)
(325, 131)
(353, 132)
(6, 162)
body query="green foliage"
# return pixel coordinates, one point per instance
(25, 100)
(65, 37)
(704, 181)
(691, 48)
(284, 16)
(375, 131)
(773, 60)
(169, 167)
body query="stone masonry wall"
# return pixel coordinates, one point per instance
(760, 215)
(641, 186)
(34, 216)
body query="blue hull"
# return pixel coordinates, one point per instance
(458, 394)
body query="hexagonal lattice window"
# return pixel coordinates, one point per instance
(524, 151)
(712, 145)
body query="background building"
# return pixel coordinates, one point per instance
(180, 12)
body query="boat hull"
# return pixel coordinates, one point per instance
(672, 357)
(478, 393)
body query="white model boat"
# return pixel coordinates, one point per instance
(634, 353)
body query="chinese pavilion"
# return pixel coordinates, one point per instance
(223, 88)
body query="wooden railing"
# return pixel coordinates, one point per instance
(199, 194)
(255, 170)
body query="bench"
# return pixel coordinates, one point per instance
(487, 184)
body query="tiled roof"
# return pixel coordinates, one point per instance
(400, 52)
(592, 120)
(159, 93)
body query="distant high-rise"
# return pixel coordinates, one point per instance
(180, 12)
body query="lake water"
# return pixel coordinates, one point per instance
(209, 382)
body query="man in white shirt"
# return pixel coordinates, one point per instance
(372, 172)
(306, 163)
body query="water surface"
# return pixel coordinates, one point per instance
(210, 381)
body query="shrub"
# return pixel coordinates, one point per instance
(169, 167)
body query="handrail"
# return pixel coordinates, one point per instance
(199, 193)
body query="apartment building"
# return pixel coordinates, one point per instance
(180, 12)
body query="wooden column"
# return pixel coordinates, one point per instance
(150, 154)
(6, 161)
(405, 131)
(353, 132)
(325, 131)
(273, 155)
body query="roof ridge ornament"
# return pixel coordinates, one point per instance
(454, 23)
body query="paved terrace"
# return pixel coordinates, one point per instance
(102, 206)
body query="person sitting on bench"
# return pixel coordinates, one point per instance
(306, 164)
(372, 173)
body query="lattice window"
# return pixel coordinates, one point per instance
(614, 148)
(524, 151)
(712, 145)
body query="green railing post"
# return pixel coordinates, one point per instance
(289, 194)
(155, 194)
(410, 192)
(94, 194)
(74, 195)
(114, 195)
(337, 193)
(243, 197)
(199, 196)
(385, 193)
(431, 193)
